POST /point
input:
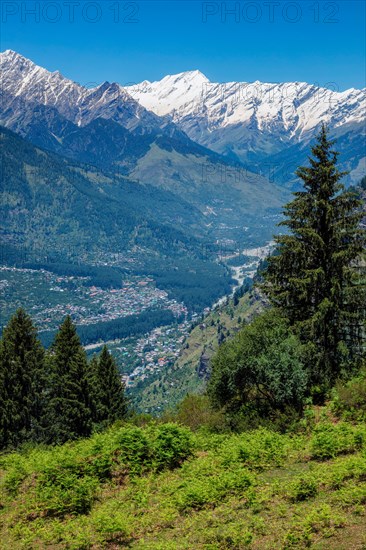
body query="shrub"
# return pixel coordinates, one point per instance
(196, 495)
(195, 411)
(230, 536)
(60, 492)
(353, 468)
(349, 400)
(15, 476)
(99, 466)
(320, 520)
(111, 524)
(209, 490)
(261, 366)
(351, 496)
(330, 440)
(132, 449)
(171, 445)
(154, 448)
(257, 450)
(254, 415)
(302, 489)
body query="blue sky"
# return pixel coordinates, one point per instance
(315, 41)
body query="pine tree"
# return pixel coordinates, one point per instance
(22, 372)
(313, 276)
(109, 400)
(69, 411)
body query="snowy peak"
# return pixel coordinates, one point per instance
(10, 56)
(171, 93)
(23, 78)
(26, 81)
(192, 78)
(248, 121)
(223, 104)
(181, 80)
(249, 117)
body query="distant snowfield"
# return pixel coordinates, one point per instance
(296, 107)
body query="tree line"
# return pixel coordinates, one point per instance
(313, 333)
(54, 396)
(122, 327)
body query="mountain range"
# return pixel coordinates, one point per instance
(261, 123)
(107, 128)
(174, 166)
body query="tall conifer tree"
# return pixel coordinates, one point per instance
(109, 400)
(313, 277)
(69, 409)
(22, 382)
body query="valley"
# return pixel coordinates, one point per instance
(142, 210)
(150, 362)
(49, 298)
(182, 275)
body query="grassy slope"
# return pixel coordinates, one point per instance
(258, 490)
(172, 384)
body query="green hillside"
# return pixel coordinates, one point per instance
(190, 370)
(66, 217)
(52, 204)
(272, 456)
(164, 487)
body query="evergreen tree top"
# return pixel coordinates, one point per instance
(20, 331)
(322, 175)
(312, 277)
(67, 334)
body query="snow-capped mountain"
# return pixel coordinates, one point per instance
(252, 121)
(106, 127)
(296, 107)
(265, 126)
(63, 116)
(24, 80)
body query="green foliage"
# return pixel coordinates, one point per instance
(208, 490)
(257, 450)
(15, 476)
(261, 367)
(171, 445)
(133, 449)
(111, 526)
(66, 479)
(162, 487)
(69, 413)
(106, 389)
(329, 440)
(313, 275)
(22, 382)
(156, 447)
(303, 488)
(349, 399)
(60, 492)
(354, 468)
(196, 412)
(321, 519)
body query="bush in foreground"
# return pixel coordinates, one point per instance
(260, 370)
(164, 487)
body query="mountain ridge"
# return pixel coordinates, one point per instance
(105, 127)
(251, 121)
